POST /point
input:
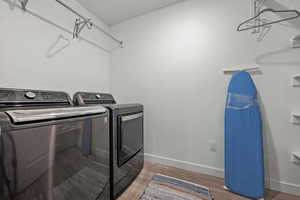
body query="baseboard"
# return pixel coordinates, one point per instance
(186, 165)
(285, 187)
(276, 185)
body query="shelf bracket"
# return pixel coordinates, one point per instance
(295, 157)
(295, 82)
(295, 42)
(23, 4)
(295, 118)
(80, 24)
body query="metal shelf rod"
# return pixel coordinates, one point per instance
(86, 19)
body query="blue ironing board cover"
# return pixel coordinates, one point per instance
(244, 161)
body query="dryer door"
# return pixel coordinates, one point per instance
(130, 136)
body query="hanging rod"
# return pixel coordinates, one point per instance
(92, 24)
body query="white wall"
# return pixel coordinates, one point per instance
(26, 58)
(171, 63)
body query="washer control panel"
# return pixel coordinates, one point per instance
(20, 96)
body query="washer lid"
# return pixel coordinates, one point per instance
(22, 116)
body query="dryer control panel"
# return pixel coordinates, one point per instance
(86, 98)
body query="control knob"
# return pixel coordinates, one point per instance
(30, 95)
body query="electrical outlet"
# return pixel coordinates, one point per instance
(212, 145)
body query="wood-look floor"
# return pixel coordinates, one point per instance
(215, 184)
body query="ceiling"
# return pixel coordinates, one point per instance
(113, 12)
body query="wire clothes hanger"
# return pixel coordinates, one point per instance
(296, 12)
